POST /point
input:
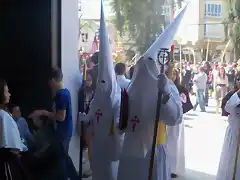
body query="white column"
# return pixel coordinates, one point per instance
(70, 63)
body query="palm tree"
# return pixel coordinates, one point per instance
(232, 26)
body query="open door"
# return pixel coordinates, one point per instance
(35, 36)
(25, 51)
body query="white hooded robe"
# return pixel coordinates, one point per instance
(135, 157)
(227, 160)
(104, 114)
(175, 146)
(143, 95)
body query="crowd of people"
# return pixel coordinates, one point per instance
(208, 79)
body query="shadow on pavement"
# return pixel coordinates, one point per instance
(195, 175)
(191, 114)
(188, 118)
(188, 126)
(211, 111)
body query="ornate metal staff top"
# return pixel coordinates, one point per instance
(163, 58)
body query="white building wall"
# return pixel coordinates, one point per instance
(215, 13)
(70, 64)
(189, 29)
(214, 31)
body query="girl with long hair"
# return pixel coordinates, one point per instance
(11, 145)
(220, 87)
(85, 96)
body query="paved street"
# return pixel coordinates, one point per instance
(204, 134)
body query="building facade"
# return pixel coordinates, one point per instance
(214, 14)
(202, 25)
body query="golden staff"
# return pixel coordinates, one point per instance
(189, 57)
(225, 49)
(180, 49)
(207, 49)
(82, 123)
(236, 158)
(194, 58)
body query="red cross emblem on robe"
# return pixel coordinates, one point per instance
(98, 115)
(135, 121)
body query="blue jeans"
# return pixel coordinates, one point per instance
(200, 100)
(69, 166)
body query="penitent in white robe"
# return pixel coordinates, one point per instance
(104, 113)
(175, 148)
(143, 92)
(227, 160)
(136, 152)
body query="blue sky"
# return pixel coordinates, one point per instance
(91, 9)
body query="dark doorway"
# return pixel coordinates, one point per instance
(25, 51)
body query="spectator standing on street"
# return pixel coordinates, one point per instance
(231, 76)
(200, 81)
(120, 70)
(220, 87)
(208, 71)
(186, 78)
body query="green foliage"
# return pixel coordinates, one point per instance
(141, 18)
(233, 25)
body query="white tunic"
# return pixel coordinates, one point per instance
(135, 157)
(104, 113)
(227, 161)
(9, 134)
(122, 81)
(175, 148)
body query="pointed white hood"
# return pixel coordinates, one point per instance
(106, 82)
(144, 64)
(166, 37)
(143, 92)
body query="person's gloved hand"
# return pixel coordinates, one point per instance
(163, 83)
(82, 117)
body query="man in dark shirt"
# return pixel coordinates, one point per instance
(61, 115)
(186, 78)
(231, 76)
(207, 70)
